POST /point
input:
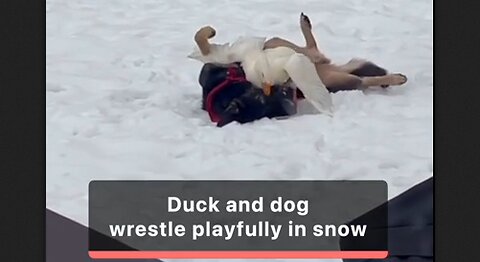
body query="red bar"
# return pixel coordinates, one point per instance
(237, 254)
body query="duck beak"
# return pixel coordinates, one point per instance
(267, 88)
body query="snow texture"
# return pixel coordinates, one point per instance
(123, 100)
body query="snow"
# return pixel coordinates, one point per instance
(123, 101)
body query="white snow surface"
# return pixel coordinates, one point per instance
(123, 101)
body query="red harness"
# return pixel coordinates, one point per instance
(232, 77)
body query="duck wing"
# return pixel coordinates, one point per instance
(277, 58)
(303, 73)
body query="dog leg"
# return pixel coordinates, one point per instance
(201, 38)
(311, 48)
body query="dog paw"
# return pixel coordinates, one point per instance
(305, 22)
(205, 32)
(398, 79)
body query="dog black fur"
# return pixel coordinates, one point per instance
(241, 101)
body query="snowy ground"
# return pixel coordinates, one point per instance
(123, 99)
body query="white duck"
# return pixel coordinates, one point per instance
(276, 66)
(265, 68)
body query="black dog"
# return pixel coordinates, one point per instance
(227, 96)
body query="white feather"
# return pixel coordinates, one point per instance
(303, 73)
(278, 65)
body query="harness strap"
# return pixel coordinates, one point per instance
(232, 77)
